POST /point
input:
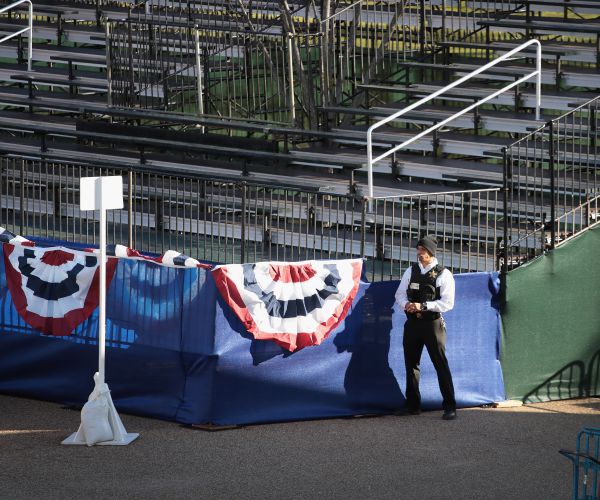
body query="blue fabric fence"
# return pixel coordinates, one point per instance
(176, 351)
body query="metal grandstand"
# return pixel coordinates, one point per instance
(240, 127)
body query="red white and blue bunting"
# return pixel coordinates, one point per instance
(53, 289)
(56, 289)
(295, 305)
(170, 258)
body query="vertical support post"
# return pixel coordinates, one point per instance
(131, 91)
(290, 58)
(363, 228)
(506, 250)
(586, 217)
(243, 236)
(56, 197)
(538, 80)
(59, 30)
(206, 75)
(444, 38)
(422, 28)
(22, 200)
(552, 165)
(30, 42)
(130, 241)
(370, 166)
(101, 193)
(108, 65)
(199, 72)
(325, 98)
(506, 190)
(102, 301)
(98, 13)
(593, 124)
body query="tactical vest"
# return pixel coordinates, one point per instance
(422, 288)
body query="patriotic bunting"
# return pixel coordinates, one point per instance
(53, 289)
(8, 237)
(170, 258)
(56, 289)
(295, 305)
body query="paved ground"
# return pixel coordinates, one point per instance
(485, 453)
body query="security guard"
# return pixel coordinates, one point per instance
(425, 292)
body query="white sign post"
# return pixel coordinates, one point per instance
(100, 422)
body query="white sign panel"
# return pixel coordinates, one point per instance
(101, 193)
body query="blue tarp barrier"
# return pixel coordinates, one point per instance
(177, 352)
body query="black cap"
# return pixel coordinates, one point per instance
(429, 243)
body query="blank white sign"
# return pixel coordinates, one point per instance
(101, 193)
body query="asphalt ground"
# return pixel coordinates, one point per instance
(484, 453)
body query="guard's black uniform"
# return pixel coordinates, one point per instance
(426, 329)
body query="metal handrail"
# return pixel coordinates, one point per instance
(588, 204)
(340, 11)
(537, 73)
(416, 195)
(29, 28)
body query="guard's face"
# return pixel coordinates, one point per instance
(425, 258)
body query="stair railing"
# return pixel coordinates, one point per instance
(24, 30)
(537, 73)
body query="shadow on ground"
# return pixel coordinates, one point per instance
(485, 453)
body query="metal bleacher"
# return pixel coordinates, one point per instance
(268, 104)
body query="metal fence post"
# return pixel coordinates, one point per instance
(56, 196)
(199, 86)
(505, 189)
(131, 243)
(363, 227)
(290, 61)
(109, 82)
(552, 163)
(243, 235)
(130, 98)
(422, 28)
(505, 250)
(22, 200)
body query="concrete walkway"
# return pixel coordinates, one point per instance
(485, 453)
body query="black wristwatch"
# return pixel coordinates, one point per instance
(423, 306)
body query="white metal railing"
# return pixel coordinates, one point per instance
(24, 30)
(537, 73)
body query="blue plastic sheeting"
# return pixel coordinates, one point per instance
(359, 368)
(175, 351)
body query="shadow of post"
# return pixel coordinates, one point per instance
(369, 380)
(592, 382)
(571, 381)
(566, 383)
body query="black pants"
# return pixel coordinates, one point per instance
(431, 334)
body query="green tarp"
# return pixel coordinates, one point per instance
(551, 323)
